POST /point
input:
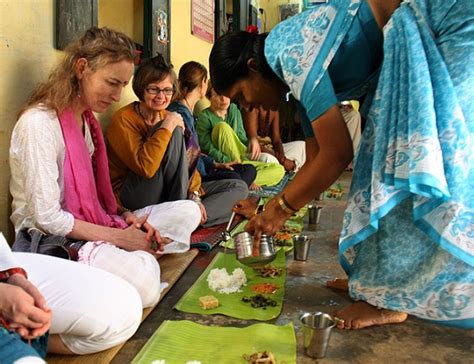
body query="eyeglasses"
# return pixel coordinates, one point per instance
(156, 91)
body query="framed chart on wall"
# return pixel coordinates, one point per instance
(156, 24)
(202, 19)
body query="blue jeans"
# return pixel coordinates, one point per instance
(12, 347)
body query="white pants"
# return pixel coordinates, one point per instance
(93, 310)
(29, 360)
(175, 220)
(139, 268)
(295, 151)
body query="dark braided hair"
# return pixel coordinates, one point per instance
(229, 57)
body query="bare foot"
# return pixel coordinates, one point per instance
(361, 314)
(339, 283)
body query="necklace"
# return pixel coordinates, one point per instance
(139, 112)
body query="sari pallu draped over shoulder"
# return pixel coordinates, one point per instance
(88, 192)
(407, 241)
(418, 142)
(408, 231)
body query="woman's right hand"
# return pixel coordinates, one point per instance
(172, 120)
(254, 149)
(267, 222)
(203, 213)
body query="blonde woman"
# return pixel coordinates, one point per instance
(60, 182)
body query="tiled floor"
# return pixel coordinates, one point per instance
(414, 341)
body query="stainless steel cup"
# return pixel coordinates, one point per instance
(314, 214)
(301, 247)
(244, 249)
(317, 331)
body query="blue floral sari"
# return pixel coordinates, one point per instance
(407, 241)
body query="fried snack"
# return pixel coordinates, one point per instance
(265, 357)
(208, 302)
(269, 271)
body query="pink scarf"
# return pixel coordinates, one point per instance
(88, 192)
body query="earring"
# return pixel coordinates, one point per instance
(287, 96)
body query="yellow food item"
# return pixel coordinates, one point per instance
(208, 302)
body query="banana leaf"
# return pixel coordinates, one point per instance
(177, 342)
(231, 304)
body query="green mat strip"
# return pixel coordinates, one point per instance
(177, 342)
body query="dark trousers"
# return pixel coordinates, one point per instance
(220, 197)
(170, 182)
(245, 172)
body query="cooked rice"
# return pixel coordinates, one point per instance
(220, 281)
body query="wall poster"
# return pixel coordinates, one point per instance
(202, 19)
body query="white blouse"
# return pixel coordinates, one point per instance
(37, 153)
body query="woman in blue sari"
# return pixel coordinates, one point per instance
(407, 242)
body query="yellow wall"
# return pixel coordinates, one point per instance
(185, 46)
(127, 17)
(28, 54)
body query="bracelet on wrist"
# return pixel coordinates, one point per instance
(6, 274)
(284, 206)
(288, 204)
(195, 196)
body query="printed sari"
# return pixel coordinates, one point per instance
(407, 241)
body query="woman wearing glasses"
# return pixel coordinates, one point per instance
(145, 142)
(147, 152)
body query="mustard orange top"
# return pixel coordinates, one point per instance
(131, 148)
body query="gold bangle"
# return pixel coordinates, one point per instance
(284, 207)
(288, 204)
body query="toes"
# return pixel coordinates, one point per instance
(338, 283)
(348, 324)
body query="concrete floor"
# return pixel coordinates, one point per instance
(414, 341)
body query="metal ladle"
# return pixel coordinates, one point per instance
(226, 233)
